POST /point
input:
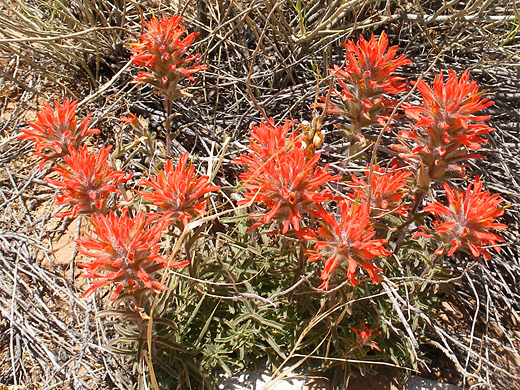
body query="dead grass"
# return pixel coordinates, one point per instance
(50, 336)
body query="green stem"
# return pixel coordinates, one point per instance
(188, 255)
(419, 196)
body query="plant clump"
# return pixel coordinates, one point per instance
(317, 246)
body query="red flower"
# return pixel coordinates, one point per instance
(131, 120)
(268, 140)
(179, 191)
(87, 181)
(280, 177)
(369, 72)
(139, 126)
(56, 130)
(467, 221)
(373, 64)
(447, 110)
(365, 336)
(388, 189)
(125, 252)
(347, 243)
(445, 127)
(162, 50)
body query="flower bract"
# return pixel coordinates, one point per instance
(86, 181)
(55, 130)
(179, 190)
(346, 242)
(468, 220)
(125, 252)
(162, 51)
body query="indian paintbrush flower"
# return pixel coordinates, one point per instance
(365, 336)
(162, 51)
(447, 112)
(388, 186)
(56, 130)
(280, 177)
(467, 222)
(86, 181)
(347, 242)
(445, 127)
(367, 76)
(179, 190)
(268, 140)
(125, 252)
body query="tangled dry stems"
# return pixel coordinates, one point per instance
(51, 337)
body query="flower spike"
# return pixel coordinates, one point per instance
(87, 181)
(281, 177)
(162, 51)
(125, 252)
(387, 189)
(467, 221)
(368, 74)
(56, 130)
(179, 191)
(445, 127)
(346, 243)
(447, 112)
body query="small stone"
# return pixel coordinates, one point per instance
(418, 383)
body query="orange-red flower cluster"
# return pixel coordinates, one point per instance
(445, 125)
(346, 243)
(268, 140)
(368, 74)
(125, 252)
(86, 181)
(179, 191)
(280, 177)
(468, 220)
(162, 51)
(387, 188)
(365, 336)
(447, 110)
(56, 130)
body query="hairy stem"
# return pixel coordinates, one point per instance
(168, 104)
